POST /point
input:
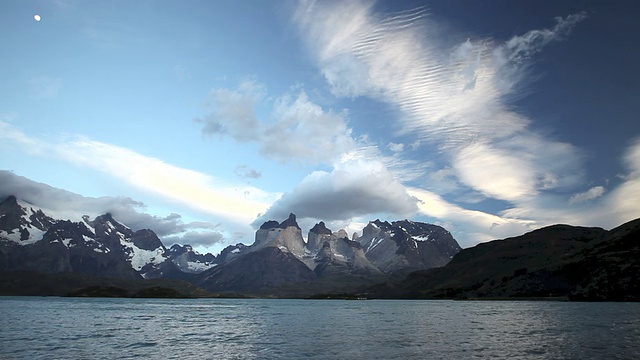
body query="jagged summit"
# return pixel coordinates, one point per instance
(10, 200)
(320, 228)
(270, 224)
(290, 221)
(32, 240)
(407, 245)
(21, 222)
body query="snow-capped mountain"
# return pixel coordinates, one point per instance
(32, 240)
(190, 261)
(21, 222)
(328, 261)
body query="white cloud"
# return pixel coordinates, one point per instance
(451, 95)
(354, 188)
(495, 173)
(62, 204)
(235, 203)
(10, 134)
(194, 238)
(593, 193)
(192, 188)
(595, 207)
(632, 158)
(233, 112)
(395, 147)
(521, 48)
(298, 129)
(624, 201)
(304, 131)
(470, 226)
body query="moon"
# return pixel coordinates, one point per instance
(37, 17)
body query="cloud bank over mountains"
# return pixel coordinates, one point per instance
(62, 204)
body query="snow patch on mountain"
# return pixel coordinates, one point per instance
(31, 226)
(140, 257)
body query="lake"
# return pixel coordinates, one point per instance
(95, 328)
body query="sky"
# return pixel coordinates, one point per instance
(203, 119)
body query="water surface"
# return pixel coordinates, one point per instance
(80, 328)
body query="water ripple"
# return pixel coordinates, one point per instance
(57, 328)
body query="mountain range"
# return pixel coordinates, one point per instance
(279, 263)
(40, 255)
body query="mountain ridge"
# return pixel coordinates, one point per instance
(31, 240)
(558, 261)
(398, 259)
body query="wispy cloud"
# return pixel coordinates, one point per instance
(237, 205)
(520, 48)
(396, 147)
(451, 94)
(593, 193)
(198, 190)
(246, 172)
(453, 97)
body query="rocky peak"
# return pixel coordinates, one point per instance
(272, 224)
(320, 229)
(317, 236)
(342, 234)
(371, 229)
(419, 230)
(177, 249)
(11, 214)
(291, 221)
(147, 240)
(10, 202)
(107, 223)
(381, 224)
(351, 243)
(22, 222)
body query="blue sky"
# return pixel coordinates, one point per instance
(202, 119)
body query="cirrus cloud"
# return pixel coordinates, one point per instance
(453, 95)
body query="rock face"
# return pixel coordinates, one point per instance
(337, 254)
(405, 246)
(190, 261)
(268, 267)
(328, 258)
(286, 236)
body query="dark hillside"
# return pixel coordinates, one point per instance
(557, 261)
